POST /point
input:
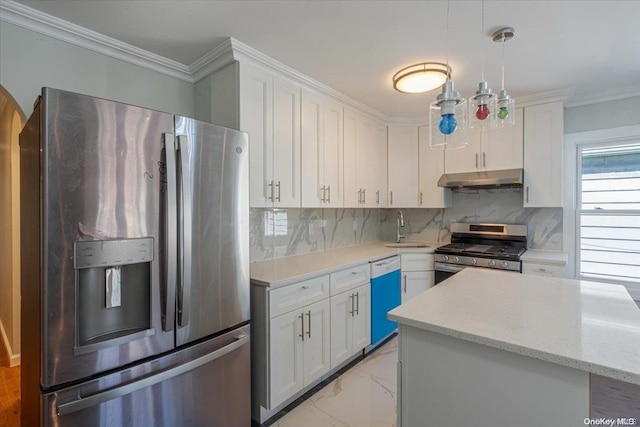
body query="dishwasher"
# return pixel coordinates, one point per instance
(385, 296)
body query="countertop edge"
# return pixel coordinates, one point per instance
(569, 362)
(545, 257)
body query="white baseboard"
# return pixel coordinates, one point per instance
(14, 359)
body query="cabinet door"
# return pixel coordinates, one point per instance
(256, 118)
(415, 283)
(317, 327)
(350, 174)
(342, 307)
(312, 147)
(285, 357)
(465, 159)
(379, 167)
(543, 141)
(361, 321)
(431, 168)
(403, 166)
(366, 161)
(333, 153)
(504, 146)
(286, 143)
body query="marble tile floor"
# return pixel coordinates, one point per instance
(362, 396)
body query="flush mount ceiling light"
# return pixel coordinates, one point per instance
(421, 77)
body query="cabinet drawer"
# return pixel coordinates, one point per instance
(344, 280)
(543, 269)
(288, 298)
(416, 262)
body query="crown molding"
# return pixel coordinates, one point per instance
(603, 96)
(213, 60)
(34, 20)
(544, 97)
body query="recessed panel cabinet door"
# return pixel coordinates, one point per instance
(361, 321)
(403, 166)
(341, 336)
(286, 357)
(351, 185)
(504, 146)
(333, 154)
(286, 143)
(312, 147)
(316, 341)
(415, 282)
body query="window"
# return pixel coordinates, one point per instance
(608, 211)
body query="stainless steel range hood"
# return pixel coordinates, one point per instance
(485, 179)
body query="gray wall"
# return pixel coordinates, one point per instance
(29, 60)
(604, 115)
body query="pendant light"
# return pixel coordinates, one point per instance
(482, 105)
(506, 105)
(448, 115)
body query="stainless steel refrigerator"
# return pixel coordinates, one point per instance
(135, 267)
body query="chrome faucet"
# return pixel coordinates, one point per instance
(399, 223)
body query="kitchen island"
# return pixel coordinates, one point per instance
(490, 348)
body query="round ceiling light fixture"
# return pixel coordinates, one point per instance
(421, 77)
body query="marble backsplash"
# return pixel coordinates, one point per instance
(502, 206)
(277, 233)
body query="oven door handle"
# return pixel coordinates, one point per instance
(448, 268)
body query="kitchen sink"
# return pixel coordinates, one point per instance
(407, 245)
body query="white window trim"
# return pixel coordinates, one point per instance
(571, 142)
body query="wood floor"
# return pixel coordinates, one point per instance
(9, 391)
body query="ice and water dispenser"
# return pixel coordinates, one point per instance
(113, 288)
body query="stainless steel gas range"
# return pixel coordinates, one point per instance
(497, 246)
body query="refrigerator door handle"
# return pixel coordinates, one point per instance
(184, 292)
(172, 234)
(105, 396)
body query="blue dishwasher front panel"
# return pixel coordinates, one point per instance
(385, 296)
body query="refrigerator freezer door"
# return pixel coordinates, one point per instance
(213, 183)
(101, 196)
(207, 384)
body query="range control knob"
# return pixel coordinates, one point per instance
(474, 261)
(457, 260)
(492, 263)
(505, 264)
(446, 258)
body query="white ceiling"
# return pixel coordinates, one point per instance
(355, 47)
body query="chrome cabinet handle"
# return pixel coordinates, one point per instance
(405, 283)
(301, 317)
(484, 159)
(378, 197)
(328, 194)
(390, 197)
(278, 187)
(476, 160)
(168, 320)
(351, 298)
(270, 192)
(357, 302)
(309, 325)
(421, 198)
(527, 194)
(184, 244)
(322, 190)
(360, 195)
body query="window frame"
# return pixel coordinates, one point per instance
(574, 143)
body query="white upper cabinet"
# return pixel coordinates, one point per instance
(365, 161)
(403, 166)
(489, 149)
(543, 150)
(270, 113)
(322, 151)
(430, 170)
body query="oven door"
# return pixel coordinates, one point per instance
(444, 271)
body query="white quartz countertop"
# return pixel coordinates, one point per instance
(284, 271)
(545, 257)
(594, 327)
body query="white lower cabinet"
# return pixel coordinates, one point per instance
(542, 269)
(350, 323)
(418, 274)
(299, 350)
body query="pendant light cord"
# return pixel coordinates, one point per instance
(447, 42)
(482, 41)
(503, 39)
